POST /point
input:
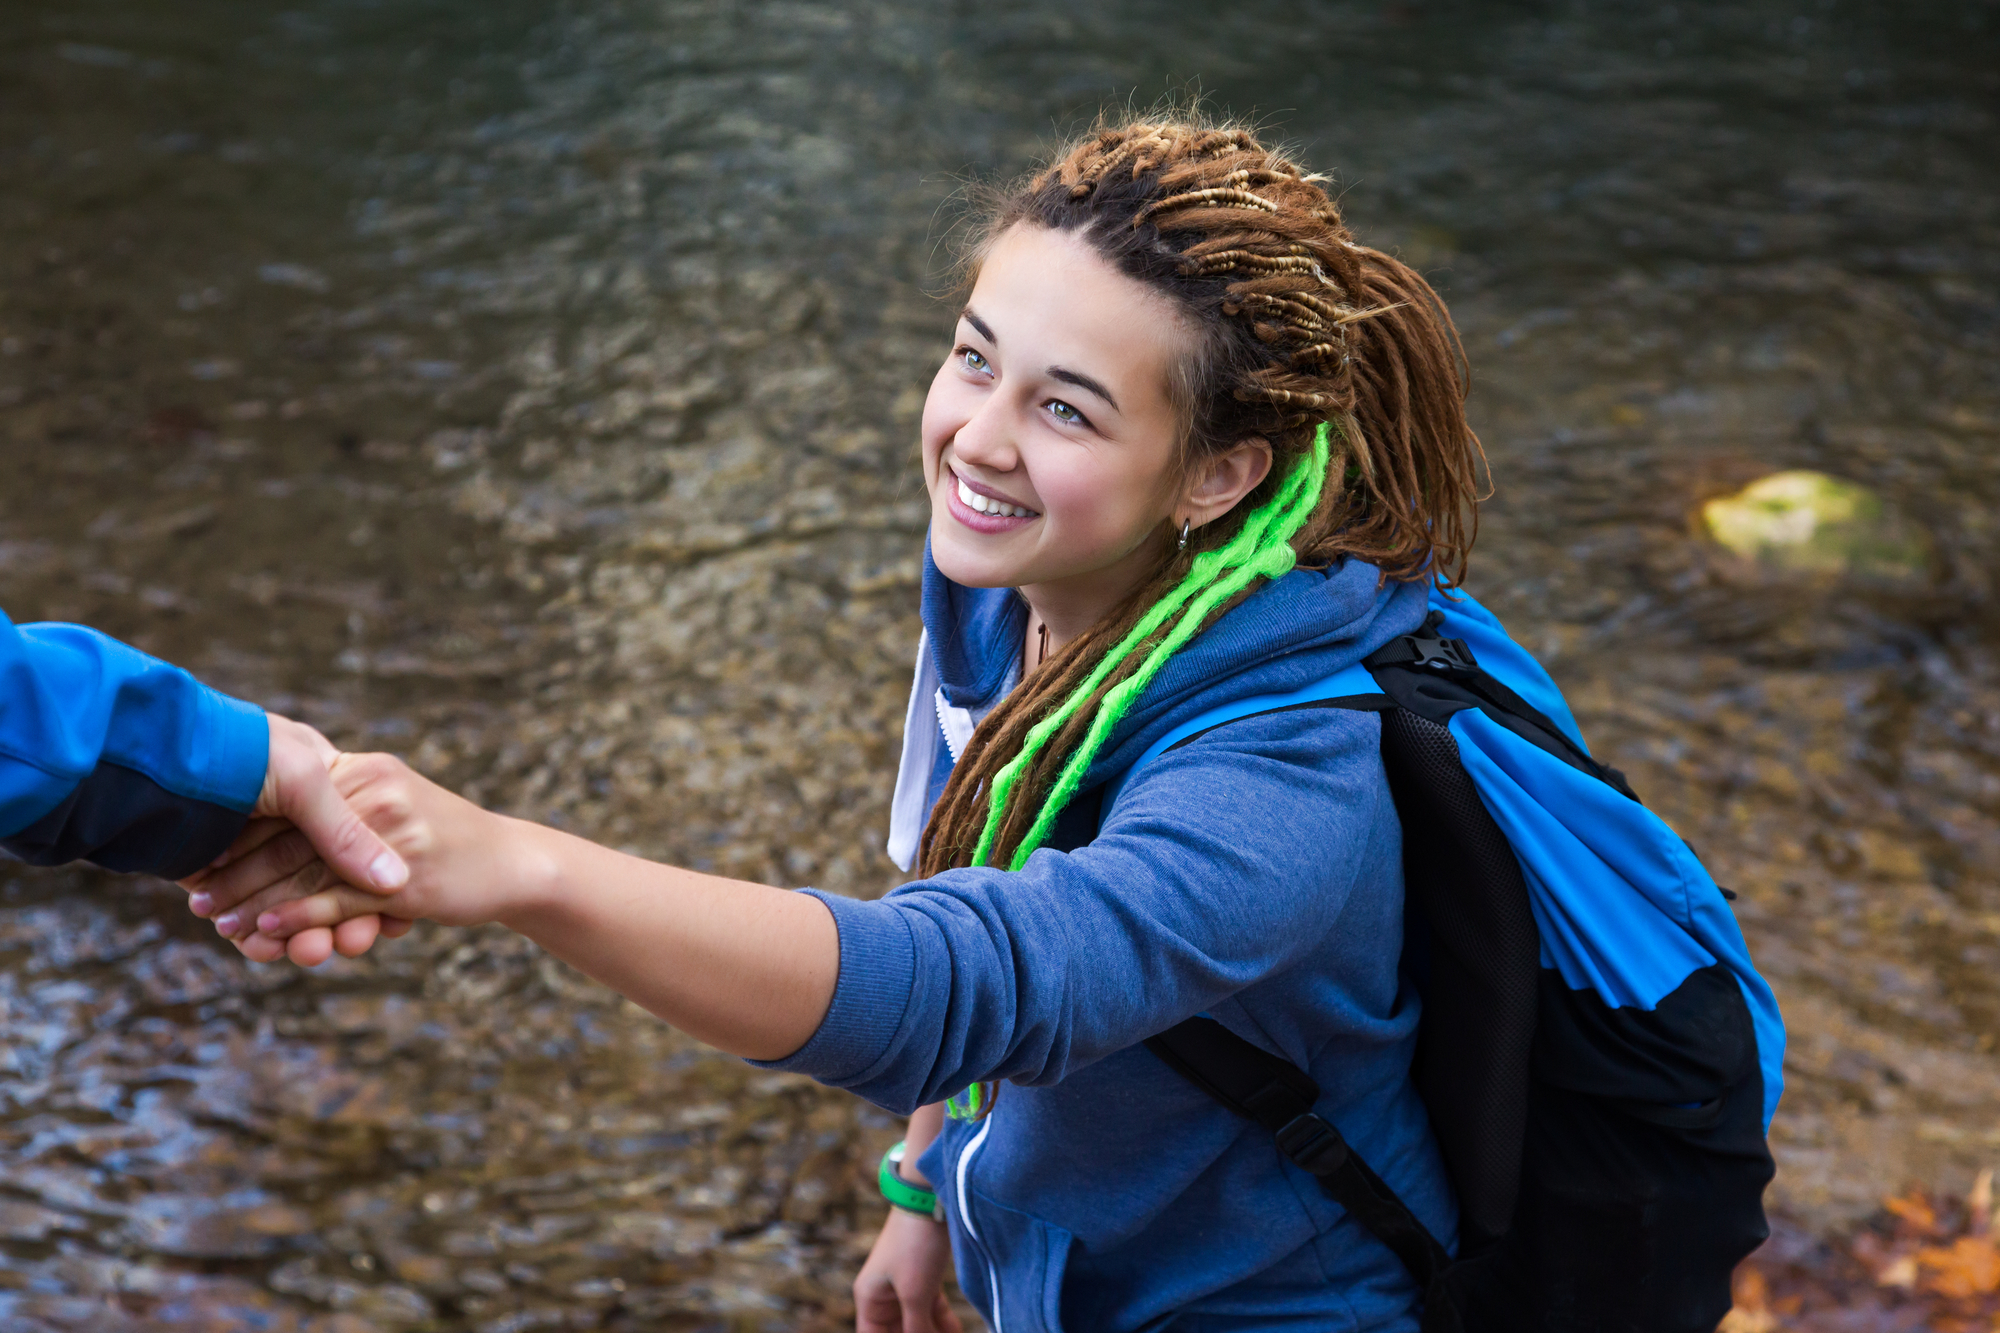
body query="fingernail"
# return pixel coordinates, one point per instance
(388, 871)
(269, 923)
(200, 903)
(227, 923)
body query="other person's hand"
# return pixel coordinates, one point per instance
(299, 807)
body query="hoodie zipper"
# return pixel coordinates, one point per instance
(965, 1216)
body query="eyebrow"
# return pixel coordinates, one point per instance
(1067, 376)
(1084, 382)
(979, 324)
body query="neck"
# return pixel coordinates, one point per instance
(1069, 607)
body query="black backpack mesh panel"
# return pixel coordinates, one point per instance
(1479, 1002)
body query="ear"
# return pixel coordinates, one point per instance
(1222, 480)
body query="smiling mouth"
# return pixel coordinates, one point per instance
(982, 504)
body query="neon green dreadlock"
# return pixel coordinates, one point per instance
(1261, 549)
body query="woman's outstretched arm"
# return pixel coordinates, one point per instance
(742, 966)
(1222, 863)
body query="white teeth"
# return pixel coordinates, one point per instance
(971, 499)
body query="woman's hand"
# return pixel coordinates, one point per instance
(465, 864)
(901, 1287)
(299, 794)
(350, 938)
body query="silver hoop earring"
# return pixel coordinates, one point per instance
(1185, 523)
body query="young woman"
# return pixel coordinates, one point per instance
(1192, 444)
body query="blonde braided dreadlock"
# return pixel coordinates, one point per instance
(1338, 355)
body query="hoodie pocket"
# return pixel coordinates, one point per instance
(1028, 1258)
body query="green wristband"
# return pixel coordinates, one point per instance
(901, 1193)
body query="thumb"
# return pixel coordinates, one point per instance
(297, 787)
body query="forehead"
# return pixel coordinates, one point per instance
(1052, 300)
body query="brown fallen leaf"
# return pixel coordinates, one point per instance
(1739, 1320)
(1914, 1211)
(1751, 1312)
(1970, 1266)
(1900, 1271)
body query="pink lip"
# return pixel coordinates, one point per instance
(972, 518)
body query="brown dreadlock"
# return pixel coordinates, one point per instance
(1295, 325)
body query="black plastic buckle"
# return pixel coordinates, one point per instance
(1313, 1144)
(1442, 654)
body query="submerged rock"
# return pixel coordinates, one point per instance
(243, 1224)
(1811, 523)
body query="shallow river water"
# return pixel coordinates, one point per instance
(531, 388)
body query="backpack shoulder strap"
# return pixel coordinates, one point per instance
(1279, 1096)
(1435, 678)
(1481, 971)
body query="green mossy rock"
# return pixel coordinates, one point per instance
(1810, 523)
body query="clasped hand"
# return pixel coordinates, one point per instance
(274, 894)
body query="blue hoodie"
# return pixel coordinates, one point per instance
(1254, 875)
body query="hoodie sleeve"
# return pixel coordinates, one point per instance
(111, 756)
(1223, 862)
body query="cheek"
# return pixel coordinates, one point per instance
(1098, 505)
(945, 411)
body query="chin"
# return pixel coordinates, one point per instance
(972, 570)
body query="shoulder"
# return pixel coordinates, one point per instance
(1315, 747)
(1317, 736)
(1308, 766)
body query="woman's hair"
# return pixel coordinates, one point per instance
(1339, 356)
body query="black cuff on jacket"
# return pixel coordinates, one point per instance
(123, 820)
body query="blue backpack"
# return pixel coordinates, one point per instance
(1598, 1055)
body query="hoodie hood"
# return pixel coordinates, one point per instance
(1290, 632)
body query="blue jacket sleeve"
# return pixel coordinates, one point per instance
(1223, 863)
(111, 756)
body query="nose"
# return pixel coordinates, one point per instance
(986, 440)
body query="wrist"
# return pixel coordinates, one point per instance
(906, 1169)
(903, 1194)
(533, 871)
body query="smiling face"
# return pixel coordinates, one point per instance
(1050, 441)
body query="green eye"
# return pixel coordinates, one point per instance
(974, 361)
(1063, 412)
